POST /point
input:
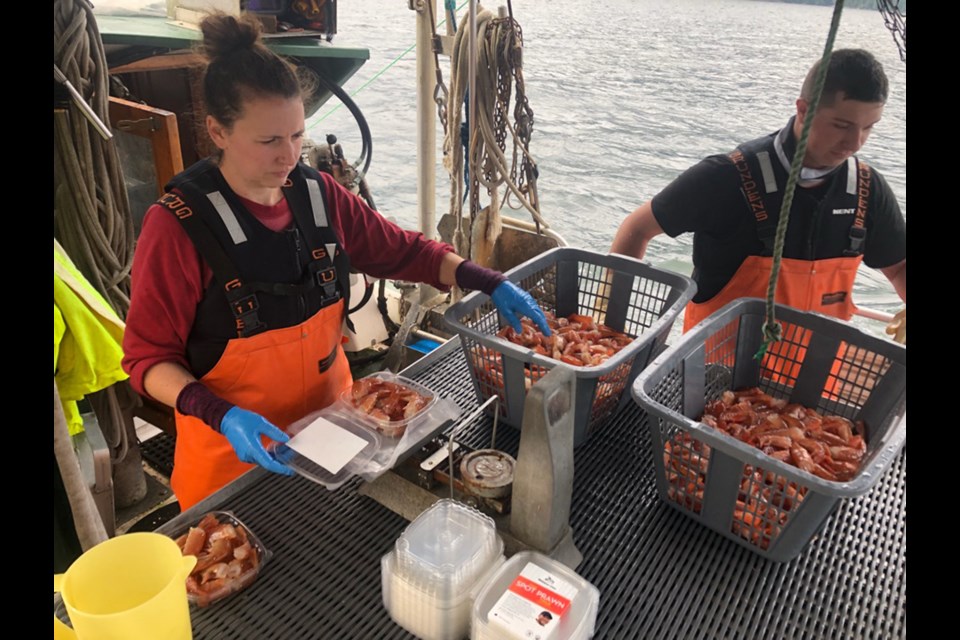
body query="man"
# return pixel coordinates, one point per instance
(843, 210)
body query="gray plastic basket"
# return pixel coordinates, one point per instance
(821, 363)
(625, 294)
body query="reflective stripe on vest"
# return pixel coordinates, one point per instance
(228, 217)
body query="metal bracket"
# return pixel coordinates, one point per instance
(417, 5)
(495, 400)
(142, 125)
(85, 108)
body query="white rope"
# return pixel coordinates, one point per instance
(452, 154)
(488, 163)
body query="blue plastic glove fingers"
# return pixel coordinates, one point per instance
(284, 454)
(512, 302)
(243, 429)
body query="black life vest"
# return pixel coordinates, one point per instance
(764, 166)
(262, 279)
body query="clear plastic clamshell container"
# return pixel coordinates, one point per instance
(438, 565)
(229, 559)
(533, 596)
(403, 399)
(330, 424)
(333, 444)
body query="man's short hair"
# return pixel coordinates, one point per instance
(855, 72)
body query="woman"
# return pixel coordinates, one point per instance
(241, 269)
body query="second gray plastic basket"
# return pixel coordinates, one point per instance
(625, 294)
(821, 363)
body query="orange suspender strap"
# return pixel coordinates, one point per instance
(750, 188)
(858, 230)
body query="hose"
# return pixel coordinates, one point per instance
(366, 149)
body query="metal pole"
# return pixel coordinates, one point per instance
(427, 130)
(873, 314)
(472, 100)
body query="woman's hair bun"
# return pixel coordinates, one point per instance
(224, 34)
(239, 65)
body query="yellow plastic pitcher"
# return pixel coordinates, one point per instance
(131, 586)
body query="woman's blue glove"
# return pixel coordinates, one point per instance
(243, 429)
(512, 302)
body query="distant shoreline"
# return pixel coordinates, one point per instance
(849, 4)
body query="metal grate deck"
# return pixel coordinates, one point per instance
(158, 452)
(660, 574)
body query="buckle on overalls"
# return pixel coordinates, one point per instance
(327, 280)
(857, 237)
(245, 305)
(245, 313)
(326, 276)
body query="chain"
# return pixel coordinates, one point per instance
(526, 176)
(896, 22)
(496, 126)
(440, 93)
(510, 86)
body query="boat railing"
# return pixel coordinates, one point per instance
(873, 314)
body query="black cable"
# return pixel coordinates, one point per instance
(362, 360)
(366, 151)
(366, 195)
(367, 293)
(391, 326)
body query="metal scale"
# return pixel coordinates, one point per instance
(528, 498)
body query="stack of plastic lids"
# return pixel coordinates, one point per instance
(439, 563)
(533, 596)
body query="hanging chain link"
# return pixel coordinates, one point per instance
(524, 174)
(896, 22)
(440, 93)
(511, 87)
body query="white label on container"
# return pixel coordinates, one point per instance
(327, 444)
(532, 605)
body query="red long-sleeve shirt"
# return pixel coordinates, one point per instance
(169, 276)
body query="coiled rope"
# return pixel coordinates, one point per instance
(91, 217)
(91, 212)
(772, 330)
(499, 80)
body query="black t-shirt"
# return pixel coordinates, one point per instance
(706, 200)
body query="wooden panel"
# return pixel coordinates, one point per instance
(174, 60)
(156, 125)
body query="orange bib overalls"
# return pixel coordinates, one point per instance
(281, 373)
(274, 374)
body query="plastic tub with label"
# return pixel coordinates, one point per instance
(534, 596)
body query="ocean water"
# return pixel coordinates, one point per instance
(626, 94)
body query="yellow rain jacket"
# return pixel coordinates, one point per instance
(87, 338)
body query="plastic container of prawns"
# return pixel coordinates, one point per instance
(213, 579)
(425, 399)
(349, 442)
